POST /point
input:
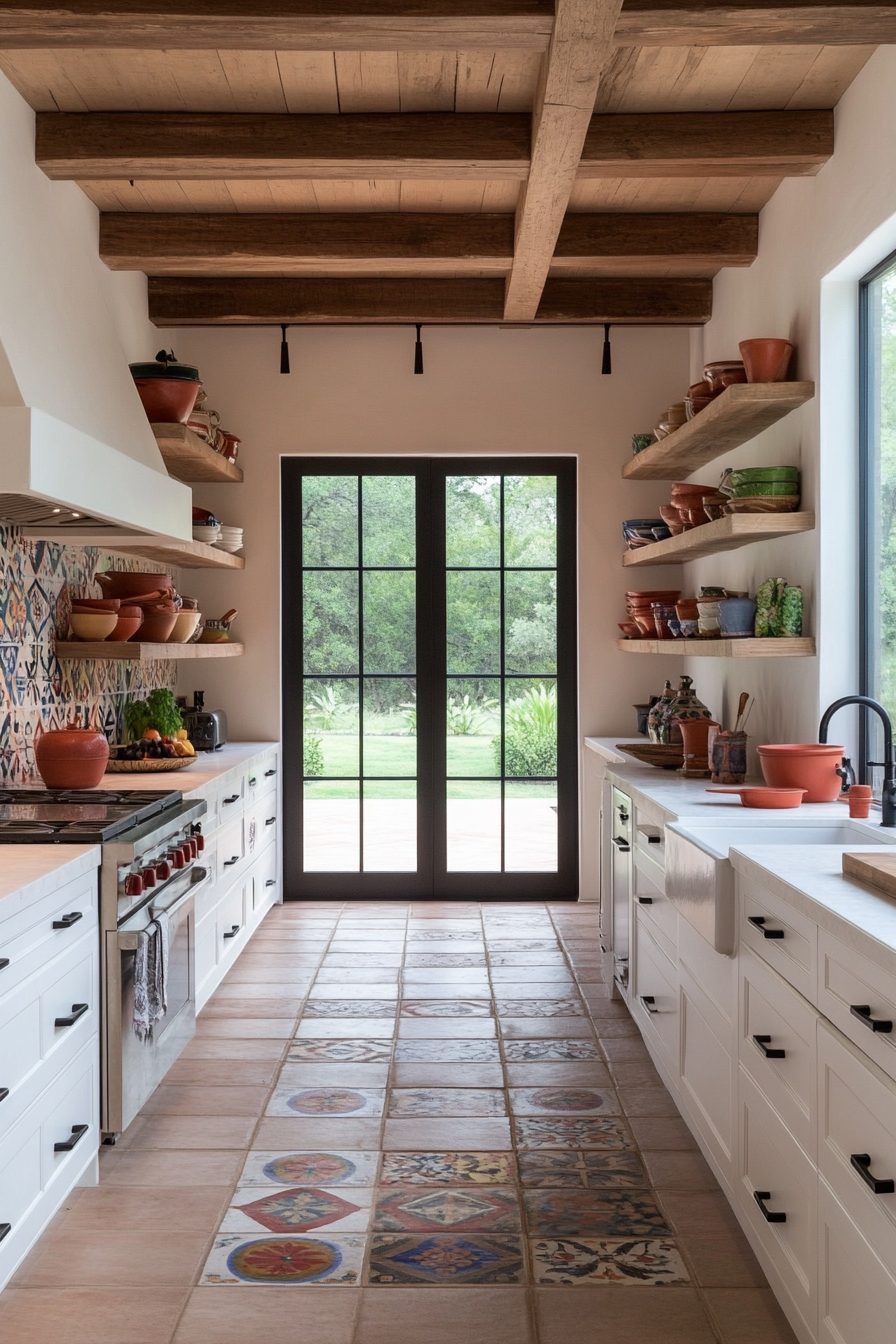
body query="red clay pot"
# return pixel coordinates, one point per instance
(130, 620)
(803, 765)
(167, 401)
(125, 584)
(71, 758)
(766, 359)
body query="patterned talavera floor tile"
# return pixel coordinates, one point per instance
(349, 1052)
(290, 1261)
(330, 1101)
(578, 1169)
(517, 1051)
(350, 1008)
(566, 1133)
(446, 1007)
(340, 1168)
(446, 1101)
(540, 1008)
(440, 1260)
(446, 1209)
(447, 1169)
(563, 1101)
(447, 1050)
(291, 1209)
(602, 1213)
(435, 959)
(652, 1262)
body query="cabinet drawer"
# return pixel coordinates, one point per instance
(774, 1166)
(655, 994)
(857, 1119)
(709, 1070)
(206, 947)
(266, 879)
(847, 981)
(775, 1018)
(62, 1005)
(20, 1191)
(655, 908)
(857, 1296)
(231, 919)
(74, 1105)
(28, 939)
(779, 935)
(231, 849)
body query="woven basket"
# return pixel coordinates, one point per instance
(150, 767)
(655, 753)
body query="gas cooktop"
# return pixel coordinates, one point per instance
(76, 816)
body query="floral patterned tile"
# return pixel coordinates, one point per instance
(421, 959)
(297, 1209)
(404, 1102)
(350, 1008)
(447, 1169)
(607, 1213)
(290, 1261)
(540, 1008)
(440, 1260)
(562, 1133)
(578, 1169)
(446, 1209)
(565, 1100)
(517, 1051)
(309, 1168)
(347, 1052)
(655, 1263)
(332, 1102)
(446, 1008)
(434, 1049)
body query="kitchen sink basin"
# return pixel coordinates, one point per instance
(699, 876)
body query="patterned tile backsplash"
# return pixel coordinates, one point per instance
(37, 691)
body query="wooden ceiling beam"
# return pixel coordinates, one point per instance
(725, 23)
(179, 244)
(73, 146)
(265, 301)
(581, 46)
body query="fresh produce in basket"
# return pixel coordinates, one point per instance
(152, 746)
(158, 713)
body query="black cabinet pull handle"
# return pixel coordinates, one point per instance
(234, 930)
(4, 962)
(234, 798)
(5, 1229)
(863, 1012)
(645, 900)
(760, 1197)
(758, 922)
(654, 839)
(270, 821)
(271, 882)
(861, 1163)
(648, 1001)
(67, 920)
(761, 1043)
(78, 1010)
(4, 1093)
(268, 773)
(622, 845)
(228, 863)
(78, 1132)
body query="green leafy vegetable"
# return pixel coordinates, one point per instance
(159, 710)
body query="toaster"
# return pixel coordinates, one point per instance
(206, 728)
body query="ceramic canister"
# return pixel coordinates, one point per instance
(727, 756)
(737, 617)
(657, 728)
(684, 705)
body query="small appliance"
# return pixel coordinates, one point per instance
(206, 728)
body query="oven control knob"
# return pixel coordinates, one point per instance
(176, 858)
(149, 876)
(133, 885)
(163, 870)
(199, 842)
(188, 849)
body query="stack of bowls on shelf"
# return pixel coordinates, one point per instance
(688, 617)
(761, 489)
(641, 612)
(231, 539)
(210, 533)
(642, 531)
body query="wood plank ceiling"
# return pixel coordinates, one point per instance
(433, 160)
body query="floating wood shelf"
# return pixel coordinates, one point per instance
(737, 416)
(186, 554)
(722, 648)
(143, 653)
(725, 534)
(189, 458)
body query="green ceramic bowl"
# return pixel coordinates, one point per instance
(755, 474)
(750, 488)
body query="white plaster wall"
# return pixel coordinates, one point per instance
(486, 391)
(68, 325)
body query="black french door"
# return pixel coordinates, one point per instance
(429, 684)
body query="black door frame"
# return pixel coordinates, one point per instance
(431, 881)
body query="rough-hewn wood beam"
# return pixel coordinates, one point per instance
(265, 301)
(279, 25)
(725, 23)
(190, 145)
(581, 45)
(723, 240)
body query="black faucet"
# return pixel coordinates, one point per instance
(888, 797)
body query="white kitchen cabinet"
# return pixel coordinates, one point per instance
(654, 993)
(857, 1292)
(777, 1047)
(859, 997)
(780, 935)
(707, 1054)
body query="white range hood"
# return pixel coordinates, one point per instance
(60, 483)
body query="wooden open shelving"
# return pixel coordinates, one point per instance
(185, 554)
(189, 458)
(724, 534)
(737, 416)
(722, 648)
(142, 653)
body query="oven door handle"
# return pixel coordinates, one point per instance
(127, 941)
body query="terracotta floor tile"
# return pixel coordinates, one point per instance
(337, 1075)
(134, 1315)
(171, 1099)
(635, 1073)
(529, 1028)
(236, 1009)
(625, 1048)
(601, 1005)
(446, 1075)
(647, 1101)
(446, 1028)
(210, 1047)
(445, 975)
(373, 975)
(671, 1134)
(353, 989)
(304, 1135)
(419, 989)
(113, 1259)
(609, 1315)
(536, 974)
(107, 1208)
(244, 1028)
(610, 1028)
(584, 1073)
(722, 1259)
(221, 1073)
(187, 1131)
(474, 1135)
(679, 1171)
(490, 1315)
(532, 989)
(270, 975)
(161, 1168)
(749, 1316)
(699, 1214)
(271, 1314)
(227, 992)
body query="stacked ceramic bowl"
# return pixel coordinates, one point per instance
(231, 539)
(209, 533)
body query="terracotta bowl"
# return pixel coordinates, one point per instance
(95, 603)
(646, 624)
(713, 372)
(766, 359)
(670, 514)
(167, 401)
(157, 626)
(124, 583)
(803, 765)
(93, 625)
(130, 620)
(185, 623)
(629, 628)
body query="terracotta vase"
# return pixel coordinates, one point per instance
(72, 757)
(167, 401)
(766, 359)
(695, 736)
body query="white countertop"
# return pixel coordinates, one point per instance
(35, 870)
(208, 767)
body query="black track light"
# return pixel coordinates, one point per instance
(284, 349)
(606, 365)
(418, 350)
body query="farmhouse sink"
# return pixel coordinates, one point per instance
(699, 876)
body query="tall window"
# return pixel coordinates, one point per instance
(878, 498)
